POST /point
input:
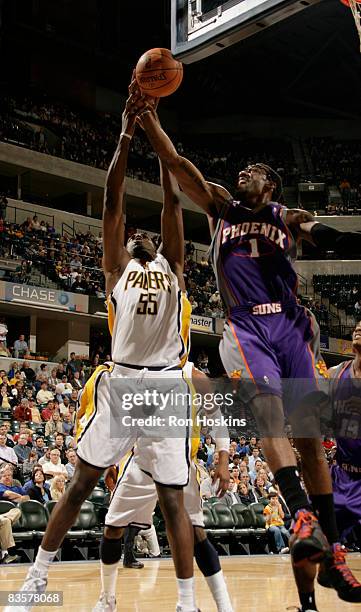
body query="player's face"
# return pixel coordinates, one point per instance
(252, 182)
(356, 337)
(140, 246)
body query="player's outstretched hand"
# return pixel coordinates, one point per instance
(222, 476)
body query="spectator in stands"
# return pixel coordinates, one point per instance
(34, 412)
(20, 347)
(230, 497)
(5, 428)
(4, 352)
(72, 413)
(246, 496)
(46, 456)
(53, 380)
(8, 490)
(6, 399)
(22, 449)
(208, 486)
(63, 388)
(28, 465)
(57, 487)
(275, 524)
(260, 488)
(76, 381)
(28, 371)
(209, 445)
(67, 425)
(40, 489)
(7, 454)
(242, 447)
(202, 454)
(24, 429)
(21, 412)
(48, 411)
(40, 446)
(202, 363)
(70, 466)
(253, 458)
(54, 466)
(257, 467)
(64, 406)
(44, 396)
(60, 446)
(71, 366)
(54, 425)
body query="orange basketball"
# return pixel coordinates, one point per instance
(158, 73)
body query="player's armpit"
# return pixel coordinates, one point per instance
(300, 223)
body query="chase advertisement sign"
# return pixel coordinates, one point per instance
(40, 296)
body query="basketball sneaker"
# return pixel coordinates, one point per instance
(105, 604)
(35, 582)
(308, 542)
(334, 573)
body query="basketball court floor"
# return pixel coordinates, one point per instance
(257, 584)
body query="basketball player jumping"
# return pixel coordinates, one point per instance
(267, 335)
(134, 499)
(149, 316)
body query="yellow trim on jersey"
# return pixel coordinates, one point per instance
(123, 464)
(111, 314)
(87, 405)
(195, 433)
(185, 326)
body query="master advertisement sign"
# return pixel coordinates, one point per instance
(40, 296)
(202, 324)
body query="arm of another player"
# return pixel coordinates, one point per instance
(305, 227)
(202, 386)
(172, 232)
(115, 256)
(191, 180)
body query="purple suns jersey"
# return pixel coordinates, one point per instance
(252, 257)
(346, 400)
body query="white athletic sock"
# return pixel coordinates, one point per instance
(109, 575)
(218, 588)
(186, 596)
(44, 559)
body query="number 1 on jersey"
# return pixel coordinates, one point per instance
(254, 247)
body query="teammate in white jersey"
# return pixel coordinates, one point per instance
(150, 320)
(135, 496)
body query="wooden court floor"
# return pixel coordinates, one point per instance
(256, 584)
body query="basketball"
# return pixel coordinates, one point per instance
(158, 73)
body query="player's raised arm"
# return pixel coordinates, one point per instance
(305, 226)
(116, 257)
(172, 232)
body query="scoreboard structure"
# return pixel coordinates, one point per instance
(200, 28)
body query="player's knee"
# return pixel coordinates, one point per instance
(171, 501)
(113, 533)
(311, 450)
(79, 490)
(199, 535)
(110, 550)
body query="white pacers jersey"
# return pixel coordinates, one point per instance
(149, 316)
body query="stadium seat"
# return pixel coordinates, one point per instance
(31, 526)
(50, 506)
(242, 532)
(5, 506)
(15, 426)
(224, 525)
(258, 508)
(85, 529)
(97, 496)
(209, 518)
